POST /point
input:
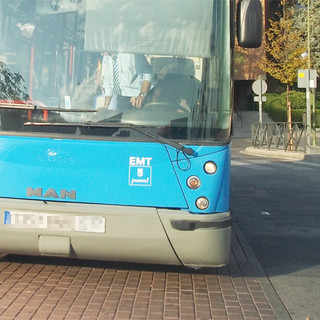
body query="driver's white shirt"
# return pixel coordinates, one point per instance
(133, 69)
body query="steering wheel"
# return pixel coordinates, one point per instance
(165, 106)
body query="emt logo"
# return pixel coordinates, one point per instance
(140, 171)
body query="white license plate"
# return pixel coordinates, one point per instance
(57, 222)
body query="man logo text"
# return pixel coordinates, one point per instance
(51, 193)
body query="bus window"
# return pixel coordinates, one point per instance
(58, 54)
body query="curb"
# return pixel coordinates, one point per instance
(275, 301)
(296, 155)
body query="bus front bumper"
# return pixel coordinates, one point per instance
(114, 233)
(199, 240)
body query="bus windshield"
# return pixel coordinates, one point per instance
(99, 68)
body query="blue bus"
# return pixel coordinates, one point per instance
(115, 125)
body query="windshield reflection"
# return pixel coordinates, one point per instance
(48, 60)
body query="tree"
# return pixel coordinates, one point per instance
(301, 22)
(11, 85)
(284, 47)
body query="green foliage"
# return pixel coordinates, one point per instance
(275, 106)
(11, 85)
(277, 112)
(297, 115)
(284, 47)
(297, 99)
(301, 22)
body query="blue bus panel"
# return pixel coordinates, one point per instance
(114, 173)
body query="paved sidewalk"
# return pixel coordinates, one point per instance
(242, 129)
(48, 288)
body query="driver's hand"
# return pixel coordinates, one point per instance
(137, 101)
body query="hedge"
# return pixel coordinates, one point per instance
(297, 99)
(278, 112)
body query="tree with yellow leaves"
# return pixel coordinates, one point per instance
(284, 46)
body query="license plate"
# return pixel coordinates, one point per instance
(57, 222)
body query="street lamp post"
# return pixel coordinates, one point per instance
(313, 90)
(308, 129)
(308, 34)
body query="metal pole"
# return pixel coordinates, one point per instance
(260, 109)
(314, 120)
(308, 131)
(313, 91)
(308, 37)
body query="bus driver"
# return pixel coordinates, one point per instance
(129, 77)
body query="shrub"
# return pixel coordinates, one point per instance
(297, 115)
(297, 99)
(277, 112)
(275, 106)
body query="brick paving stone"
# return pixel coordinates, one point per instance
(40, 315)
(126, 304)
(91, 313)
(156, 309)
(12, 311)
(140, 313)
(188, 310)
(41, 290)
(236, 317)
(155, 316)
(123, 315)
(45, 307)
(57, 312)
(26, 313)
(218, 313)
(71, 316)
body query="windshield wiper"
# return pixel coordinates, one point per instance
(154, 136)
(34, 107)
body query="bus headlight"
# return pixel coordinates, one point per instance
(210, 167)
(202, 203)
(193, 182)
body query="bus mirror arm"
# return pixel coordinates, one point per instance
(249, 23)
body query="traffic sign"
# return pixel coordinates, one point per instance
(305, 75)
(259, 87)
(258, 98)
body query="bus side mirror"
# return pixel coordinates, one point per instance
(249, 23)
